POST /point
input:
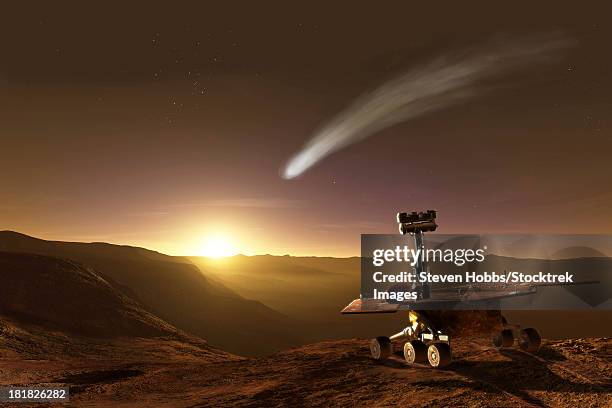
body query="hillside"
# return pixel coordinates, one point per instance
(62, 295)
(176, 291)
(53, 308)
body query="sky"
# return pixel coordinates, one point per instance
(165, 126)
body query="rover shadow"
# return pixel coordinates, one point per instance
(396, 360)
(551, 354)
(520, 373)
(523, 372)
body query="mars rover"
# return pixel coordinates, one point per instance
(426, 341)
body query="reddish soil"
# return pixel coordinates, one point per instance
(173, 372)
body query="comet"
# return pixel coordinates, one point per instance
(446, 81)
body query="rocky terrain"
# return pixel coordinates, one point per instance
(146, 373)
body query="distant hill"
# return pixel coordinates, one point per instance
(314, 289)
(311, 290)
(288, 283)
(176, 291)
(62, 295)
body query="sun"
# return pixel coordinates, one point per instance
(218, 247)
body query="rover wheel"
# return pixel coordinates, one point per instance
(415, 351)
(439, 354)
(380, 348)
(530, 340)
(504, 338)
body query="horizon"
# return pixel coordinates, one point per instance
(174, 255)
(222, 257)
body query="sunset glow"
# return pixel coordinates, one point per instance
(218, 246)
